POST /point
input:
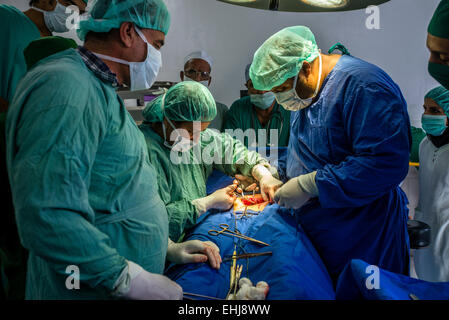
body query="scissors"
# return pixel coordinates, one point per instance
(225, 231)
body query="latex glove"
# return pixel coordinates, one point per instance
(291, 195)
(248, 183)
(139, 284)
(222, 199)
(268, 183)
(194, 251)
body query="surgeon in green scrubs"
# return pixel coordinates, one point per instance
(259, 111)
(86, 205)
(184, 153)
(19, 29)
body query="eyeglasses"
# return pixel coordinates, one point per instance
(191, 73)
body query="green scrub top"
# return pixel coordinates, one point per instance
(82, 185)
(242, 115)
(180, 183)
(418, 135)
(17, 33)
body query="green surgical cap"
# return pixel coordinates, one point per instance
(187, 101)
(439, 25)
(441, 96)
(105, 15)
(281, 57)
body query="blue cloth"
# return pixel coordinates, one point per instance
(294, 271)
(352, 285)
(356, 135)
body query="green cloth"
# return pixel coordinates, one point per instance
(281, 57)
(181, 183)
(110, 14)
(44, 47)
(218, 122)
(441, 96)
(242, 115)
(82, 185)
(17, 32)
(439, 25)
(418, 135)
(186, 101)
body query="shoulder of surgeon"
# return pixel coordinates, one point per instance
(362, 73)
(63, 79)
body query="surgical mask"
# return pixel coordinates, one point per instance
(142, 74)
(290, 100)
(262, 101)
(56, 20)
(181, 144)
(433, 124)
(440, 73)
(204, 82)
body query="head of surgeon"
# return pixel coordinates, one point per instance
(438, 44)
(181, 114)
(289, 64)
(127, 36)
(197, 67)
(435, 119)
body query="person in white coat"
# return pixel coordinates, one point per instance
(432, 263)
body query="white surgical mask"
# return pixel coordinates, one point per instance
(204, 82)
(143, 74)
(56, 20)
(262, 101)
(181, 143)
(290, 100)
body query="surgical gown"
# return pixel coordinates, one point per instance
(432, 263)
(183, 181)
(241, 115)
(356, 135)
(17, 33)
(82, 185)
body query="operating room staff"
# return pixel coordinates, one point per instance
(432, 262)
(185, 152)
(260, 112)
(19, 29)
(348, 152)
(82, 186)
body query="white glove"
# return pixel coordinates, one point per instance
(194, 251)
(222, 199)
(297, 191)
(138, 284)
(268, 184)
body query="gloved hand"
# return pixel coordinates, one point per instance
(194, 251)
(139, 284)
(268, 183)
(291, 195)
(248, 183)
(222, 199)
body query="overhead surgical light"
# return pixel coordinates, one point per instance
(306, 5)
(329, 4)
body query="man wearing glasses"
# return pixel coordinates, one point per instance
(197, 67)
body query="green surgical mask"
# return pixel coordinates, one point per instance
(434, 125)
(440, 73)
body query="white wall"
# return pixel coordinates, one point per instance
(231, 34)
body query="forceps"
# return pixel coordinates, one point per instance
(226, 231)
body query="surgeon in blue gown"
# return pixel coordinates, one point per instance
(348, 150)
